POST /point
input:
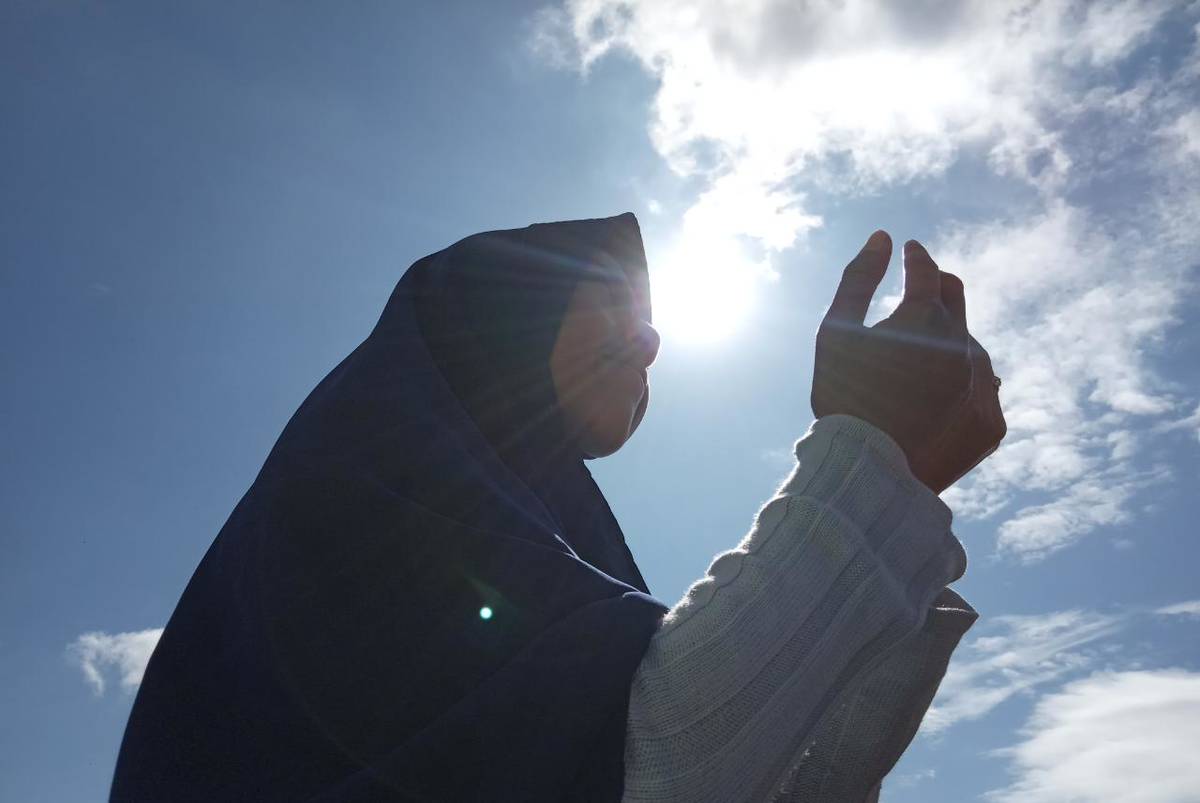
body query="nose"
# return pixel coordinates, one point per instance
(646, 341)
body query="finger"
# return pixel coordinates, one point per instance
(860, 279)
(954, 299)
(981, 358)
(921, 281)
(988, 395)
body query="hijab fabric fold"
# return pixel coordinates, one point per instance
(423, 595)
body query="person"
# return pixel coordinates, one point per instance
(425, 596)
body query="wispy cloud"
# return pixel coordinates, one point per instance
(99, 654)
(1072, 304)
(781, 459)
(765, 106)
(1013, 655)
(910, 779)
(1190, 422)
(1189, 608)
(1017, 654)
(1119, 737)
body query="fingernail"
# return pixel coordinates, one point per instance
(877, 242)
(912, 245)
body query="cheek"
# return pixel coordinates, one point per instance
(606, 403)
(621, 401)
(640, 411)
(606, 420)
(585, 377)
(600, 399)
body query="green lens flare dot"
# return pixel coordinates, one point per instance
(485, 612)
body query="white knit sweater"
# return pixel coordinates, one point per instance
(799, 667)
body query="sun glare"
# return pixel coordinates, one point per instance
(703, 290)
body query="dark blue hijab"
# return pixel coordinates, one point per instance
(424, 595)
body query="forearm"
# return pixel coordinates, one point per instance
(840, 567)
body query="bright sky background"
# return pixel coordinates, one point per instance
(204, 207)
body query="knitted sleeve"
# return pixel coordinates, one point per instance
(800, 666)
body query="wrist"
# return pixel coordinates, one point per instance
(825, 430)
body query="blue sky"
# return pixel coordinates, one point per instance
(204, 208)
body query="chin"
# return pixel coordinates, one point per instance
(610, 426)
(594, 448)
(604, 438)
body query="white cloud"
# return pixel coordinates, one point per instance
(1100, 500)
(1189, 608)
(97, 653)
(766, 103)
(753, 93)
(1191, 422)
(1014, 655)
(910, 779)
(1114, 737)
(781, 457)
(1185, 132)
(1017, 654)
(1069, 311)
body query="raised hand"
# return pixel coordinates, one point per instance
(918, 374)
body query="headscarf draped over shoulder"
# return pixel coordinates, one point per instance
(423, 595)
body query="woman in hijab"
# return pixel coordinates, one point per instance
(425, 596)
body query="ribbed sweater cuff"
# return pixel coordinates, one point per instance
(827, 432)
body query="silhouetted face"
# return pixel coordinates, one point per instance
(599, 366)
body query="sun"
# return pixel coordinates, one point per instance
(704, 289)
